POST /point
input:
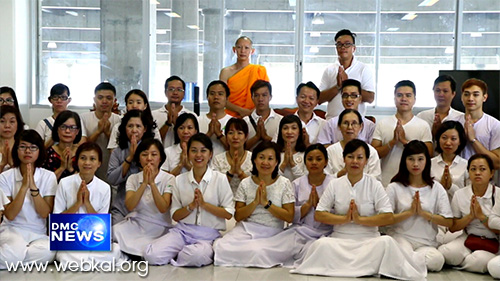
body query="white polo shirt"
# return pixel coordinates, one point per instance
(428, 115)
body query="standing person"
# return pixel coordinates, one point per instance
(148, 199)
(31, 190)
(347, 67)
(59, 98)
(11, 126)
(84, 193)
(201, 202)
(240, 77)
(392, 133)
(356, 205)
(292, 147)
(165, 116)
(307, 99)
(420, 205)
(263, 122)
(481, 129)
(264, 202)
(98, 124)
(8, 97)
(444, 92)
(214, 122)
(472, 206)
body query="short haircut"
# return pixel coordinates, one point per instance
(243, 37)
(353, 145)
(203, 139)
(450, 125)
(144, 97)
(316, 146)
(32, 137)
(412, 148)
(481, 156)
(444, 78)
(475, 82)
(351, 82)
(406, 83)
(4, 109)
(58, 90)
(145, 145)
(261, 147)
(88, 146)
(309, 84)
(218, 82)
(61, 118)
(180, 120)
(12, 93)
(346, 32)
(300, 146)
(105, 86)
(260, 84)
(238, 124)
(147, 122)
(174, 78)
(347, 111)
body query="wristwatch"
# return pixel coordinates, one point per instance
(269, 203)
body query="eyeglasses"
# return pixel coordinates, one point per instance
(171, 90)
(353, 124)
(26, 147)
(56, 98)
(71, 128)
(7, 101)
(344, 45)
(352, 96)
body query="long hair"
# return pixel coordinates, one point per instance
(412, 148)
(300, 146)
(261, 147)
(144, 97)
(147, 122)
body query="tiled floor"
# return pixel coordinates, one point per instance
(215, 273)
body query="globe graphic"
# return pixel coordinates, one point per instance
(92, 224)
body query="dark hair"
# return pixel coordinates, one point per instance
(105, 86)
(444, 78)
(238, 124)
(4, 109)
(481, 156)
(145, 145)
(180, 120)
(146, 120)
(347, 111)
(32, 137)
(174, 78)
(261, 147)
(449, 125)
(202, 138)
(354, 144)
(260, 84)
(351, 82)
(144, 97)
(308, 85)
(61, 118)
(243, 37)
(12, 93)
(58, 90)
(218, 82)
(346, 32)
(412, 148)
(316, 146)
(88, 146)
(406, 83)
(475, 82)
(300, 146)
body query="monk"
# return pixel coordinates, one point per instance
(240, 77)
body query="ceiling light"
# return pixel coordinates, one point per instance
(392, 29)
(313, 50)
(318, 19)
(315, 34)
(193, 26)
(427, 3)
(476, 34)
(409, 16)
(73, 13)
(52, 45)
(173, 15)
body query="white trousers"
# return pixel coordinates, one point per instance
(78, 257)
(434, 260)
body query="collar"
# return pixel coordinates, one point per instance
(256, 117)
(206, 177)
(314, 117)
(141, 178)
(440, 159)
(354, 62)
(19, 178)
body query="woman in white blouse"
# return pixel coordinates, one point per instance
(356, 205)
(148, 199)
(292, 147)
(201, 202)
(419, 204)
(472, 206)
(264, 202)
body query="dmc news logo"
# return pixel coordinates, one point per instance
(80, 232)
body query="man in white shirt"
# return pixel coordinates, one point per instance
(346, 67)
(307, 99)
(393, 133)
(263, 122)
(99, 123)
(444, 92)
(166, 115)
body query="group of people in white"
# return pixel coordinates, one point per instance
(305, 192)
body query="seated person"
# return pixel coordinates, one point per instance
(291, 144)
(11, 125)
(307, 100)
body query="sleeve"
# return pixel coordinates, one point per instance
(327, 200)
(132, 183)
(84, 131)
(106, 200)
(49, 184)
(382, 204)
(170, 184)
(240, 195)
(326, 79)
(455, 208)
(60, 199)
(369, 130)
(368, 79)
(494, 220)
(112, 144)
(4, 184)
(165, 166)
(299, 169)
(391, 194)
(3, 200)
(495, 135)
(288, 194)
(225, 194)
(426, 133)
(115, 168)
(444, 207)
(374, 169)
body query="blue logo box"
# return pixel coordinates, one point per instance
(80, 232)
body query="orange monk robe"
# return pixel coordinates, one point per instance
(240, 83)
